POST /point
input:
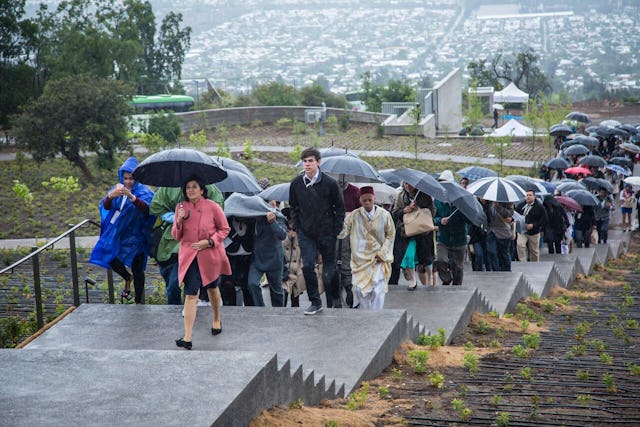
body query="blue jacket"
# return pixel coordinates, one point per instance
(130, 232)
(268, 253)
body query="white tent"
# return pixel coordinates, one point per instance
(513, 128)
(511, 94)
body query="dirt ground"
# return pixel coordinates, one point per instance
(542, 387)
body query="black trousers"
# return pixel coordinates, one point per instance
(137, 268)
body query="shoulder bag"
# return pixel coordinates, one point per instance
(418, 222)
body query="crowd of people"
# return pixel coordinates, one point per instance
(332, 237)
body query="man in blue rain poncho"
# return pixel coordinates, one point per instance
(125, 230)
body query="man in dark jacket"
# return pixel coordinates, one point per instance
(535, 219)
(451, 243)
(317, 214)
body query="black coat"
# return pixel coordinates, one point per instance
(536, 216)
(317, 210)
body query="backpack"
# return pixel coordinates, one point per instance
(156, 236)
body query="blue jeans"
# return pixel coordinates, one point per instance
(169, 273)
(274, 278)
(499, 253)
(309, 249)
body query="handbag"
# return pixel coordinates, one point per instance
(418, 222)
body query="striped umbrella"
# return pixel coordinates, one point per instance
(497, 190)
(618, 169)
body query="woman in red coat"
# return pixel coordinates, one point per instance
(201, 227)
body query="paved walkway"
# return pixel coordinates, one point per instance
(370, 153)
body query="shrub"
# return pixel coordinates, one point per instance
(299, 128)
(344, 121)
(284, 122)
(65, 185)
(418, 361)
(198, 139)
(331, 125)
(153, 142)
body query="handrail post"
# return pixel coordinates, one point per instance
(36, 287)
(110, 286)
(74, 267)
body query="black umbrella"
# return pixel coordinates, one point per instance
(557, 163)
(592, 160)
(628, 146)
(351, 169)
(578, 117)
(474, 173)
(577, 149)
(238, 182)
(595, 184)
(568, 143)
(235, 165)
(602, 131)
(171, 168)
(560, 129)
(466, 203)
(622, 161)
(423, 182)
(587, 141)
(497, 189)
(583, 197)
(279, 192)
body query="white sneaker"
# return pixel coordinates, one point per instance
(204, 303)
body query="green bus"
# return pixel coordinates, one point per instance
(147, 103)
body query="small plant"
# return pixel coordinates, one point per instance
(606, 358)
(359, 398)
(631, 324)
(283, 122)
(396, 374)
(526, 374)
(584, 399)
(468, 346)
(495, 344)
(418, 360)
(482, 328)
(222, 149)
(583, 375)
(463, 390)
(247, 151)
(198, 139)
(494, 314)
(495, 400)
(433, 341)
(295, 153)
(502, 419)
(563, 300)
(461, 409)
(383, 392)
(23, 192)
(299, 128)
(520, 351)
(501, 331)
(634, 369)
(531, 341)
(548, 307)
(535, 402)
(297, 404)
(609, 382)
(69, 184)
(524, 326)
(436, 379)
(471, 363)
(331, 423)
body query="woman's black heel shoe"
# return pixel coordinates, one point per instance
(216, 331)
(184, 344)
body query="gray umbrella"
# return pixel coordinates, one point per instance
(557, 163)
(596, 184)
(351, 169)
(628, 146)
(238, 182)
(592, 160)
(474, 173)
(325, 153)
(583, 197)
(235, 165)
(278, 192)
(564, 187)
(172, 168)
(243, 206)
(587, 141)
(423, 182)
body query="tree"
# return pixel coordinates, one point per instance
(17, 39)
(372, 93)
(315, 94)
(75, 114)
(473, 113)
(521, 69)
(274, 93)
(395, 91)
(398, 91)
(165, 124)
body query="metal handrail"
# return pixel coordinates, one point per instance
(34, 257)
